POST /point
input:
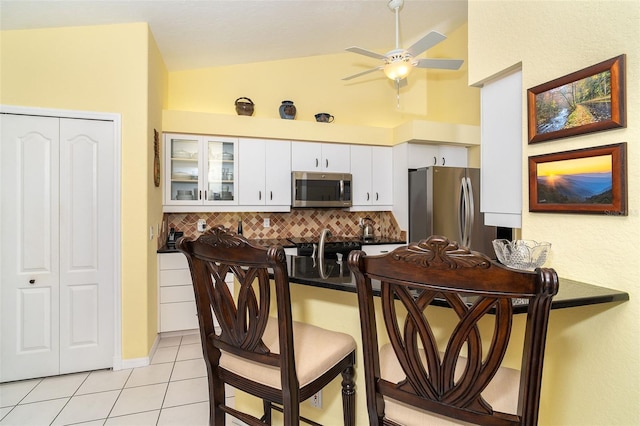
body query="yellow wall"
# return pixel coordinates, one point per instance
(315, 85)
(157, 96)
(103, 69)
(591, 375)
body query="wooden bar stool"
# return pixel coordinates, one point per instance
(274, 358)
(427, 375)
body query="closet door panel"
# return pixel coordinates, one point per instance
(29, 294)
(86, 251)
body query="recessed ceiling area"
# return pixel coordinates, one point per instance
(195, 34)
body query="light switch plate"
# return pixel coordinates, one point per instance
(202, 225)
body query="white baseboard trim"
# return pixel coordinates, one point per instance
(138, 362)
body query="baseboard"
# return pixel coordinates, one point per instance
(137, 362)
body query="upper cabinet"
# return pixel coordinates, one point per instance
(423, 155)
(200, 170)
(265, 174)
(501, 151)
(320, 157)
(372, 170)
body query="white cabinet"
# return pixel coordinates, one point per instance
(264, 177)
(320, 157)
(177, 306)
(501, 151)
(372, 170)
(375, 249)
(422, 155)
(200, 170)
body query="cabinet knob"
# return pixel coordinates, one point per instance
(435, 160)
(271, 195)
(260, 195)
(367, 196)
(317, 162)
(377, 197)
(32, 281)
(326, 163)
(443, 162)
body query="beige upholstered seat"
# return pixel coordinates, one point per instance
(431, 373)
(316, 351)
(275, 359)
(501, 393)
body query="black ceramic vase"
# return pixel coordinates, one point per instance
(287, 110)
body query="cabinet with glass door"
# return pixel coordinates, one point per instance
(200, 170)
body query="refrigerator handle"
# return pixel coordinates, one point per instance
(470, 212)
(462, 212)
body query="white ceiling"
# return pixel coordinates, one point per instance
(209, 33)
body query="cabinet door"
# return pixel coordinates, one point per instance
(421, 155)
(336, 158)
(501, 151)
(219, 171)
(452, 156)
(382, 175)
(252, 171)
(182, 169)
(278, 173)
(361, 169)
(306, 156)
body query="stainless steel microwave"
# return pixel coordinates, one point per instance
(312, 189)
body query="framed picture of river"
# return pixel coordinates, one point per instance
(585, 101)
(589, 180)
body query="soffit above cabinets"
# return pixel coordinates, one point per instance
(415, 131)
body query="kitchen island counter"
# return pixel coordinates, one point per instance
(337, 276)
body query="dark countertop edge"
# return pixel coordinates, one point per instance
(285, 243)
(571, 293)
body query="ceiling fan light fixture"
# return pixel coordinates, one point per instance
(398, 65)
(397, 70)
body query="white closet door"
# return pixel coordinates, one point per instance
(86, 244)
(29, 309)
(57, 263)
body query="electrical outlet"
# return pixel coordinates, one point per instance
(316, 400)
(151, 233)
(267, 222)
(202, 225)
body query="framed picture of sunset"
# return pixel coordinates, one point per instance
(589, 180)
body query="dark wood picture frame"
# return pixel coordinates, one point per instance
(589, 100)
(588, 180)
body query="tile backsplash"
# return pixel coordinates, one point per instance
(297, 223)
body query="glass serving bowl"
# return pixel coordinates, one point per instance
(521, 254)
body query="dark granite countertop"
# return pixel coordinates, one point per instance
(336, 276)
(267, 242)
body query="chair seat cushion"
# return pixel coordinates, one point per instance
(501, 393)
(316, 351)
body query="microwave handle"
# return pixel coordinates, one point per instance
(341, 190)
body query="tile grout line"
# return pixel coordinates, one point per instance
(169, 382)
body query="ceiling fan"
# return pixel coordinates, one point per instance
(398, 63)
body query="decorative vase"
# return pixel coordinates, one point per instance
(287, 110)
(244, 108)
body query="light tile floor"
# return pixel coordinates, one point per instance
(171, 391)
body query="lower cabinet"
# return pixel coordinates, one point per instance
(380, 248)
(177, 306)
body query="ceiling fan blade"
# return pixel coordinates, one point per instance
(363, 73)
(425, 43)
(443, 64)
(365, 52)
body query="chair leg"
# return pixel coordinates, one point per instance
(349, 396)
(267, 412)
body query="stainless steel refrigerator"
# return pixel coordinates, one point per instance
(446, 201)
